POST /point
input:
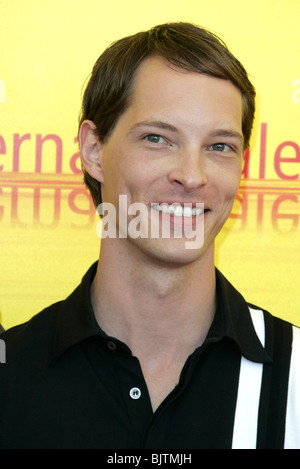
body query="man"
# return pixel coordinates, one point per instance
(155, 349)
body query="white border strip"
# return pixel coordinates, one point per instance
(247, 406)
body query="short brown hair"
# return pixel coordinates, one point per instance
(184, 45)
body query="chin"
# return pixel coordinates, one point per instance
(170, 252)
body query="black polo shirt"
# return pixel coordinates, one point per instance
(66, 384)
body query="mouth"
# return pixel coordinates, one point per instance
(180, 210)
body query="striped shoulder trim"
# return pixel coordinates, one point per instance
(268, 402)
(292, 431)
(248, 399)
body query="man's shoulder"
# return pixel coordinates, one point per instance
(42, 325)
(34, 332)
(275, 322)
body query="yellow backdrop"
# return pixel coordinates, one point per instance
(47, 223)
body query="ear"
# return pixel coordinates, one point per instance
(90, 150)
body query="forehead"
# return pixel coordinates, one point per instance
(184, 96)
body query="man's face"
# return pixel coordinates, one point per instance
(180, 141)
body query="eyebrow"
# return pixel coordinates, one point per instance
(226, 133)
(155, 124)
(165, 126)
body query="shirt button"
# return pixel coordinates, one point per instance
(111, 345)
(135, 393)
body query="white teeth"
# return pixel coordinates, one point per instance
(178, 210)
(163, 207)
(187, 211)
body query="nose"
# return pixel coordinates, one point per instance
(189, 171)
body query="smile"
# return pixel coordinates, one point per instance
(177, 210)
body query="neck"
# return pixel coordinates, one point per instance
(154, 307)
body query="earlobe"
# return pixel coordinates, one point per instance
(90, 150)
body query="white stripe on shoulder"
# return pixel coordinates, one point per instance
(247, 406)
(258, 320)
(292, 430)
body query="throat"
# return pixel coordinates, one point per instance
(161, 380)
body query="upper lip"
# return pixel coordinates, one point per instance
(177, 202)
(183, 204)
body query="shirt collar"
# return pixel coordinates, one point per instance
(75, 320)
(237, 323)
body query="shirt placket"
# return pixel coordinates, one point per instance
(133, 389)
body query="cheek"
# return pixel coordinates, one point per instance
(233, 175)
(123, 176)
(233, 183)
(227, 182)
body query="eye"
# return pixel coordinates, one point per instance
(220, 147)
(153, 138)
